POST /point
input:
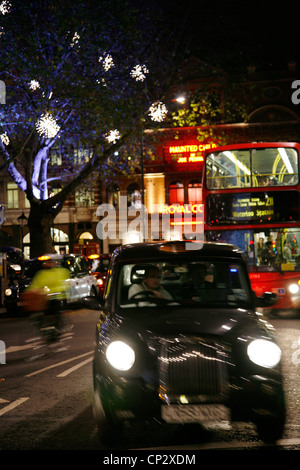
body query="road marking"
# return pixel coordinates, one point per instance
(12, 349)
(227, 445)
(58, 364)
(69, 371)
(2, 400)
(13, 405)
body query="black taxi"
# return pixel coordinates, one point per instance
(179, 340)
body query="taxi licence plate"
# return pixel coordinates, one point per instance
(204, 414)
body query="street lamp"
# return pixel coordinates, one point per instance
(181, 99)
(22, 221)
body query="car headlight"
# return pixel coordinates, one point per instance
(294, 288)
(264, 353)
(8, 292)
(120, 355)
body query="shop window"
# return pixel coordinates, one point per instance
(84, 198)
(59, 236)
(82, 156)
(55, 156)
(134, 196)
(27, 203)
(194, 192)
(176, 193)
(12, 196)
(113, 194)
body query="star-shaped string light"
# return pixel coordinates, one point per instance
(113, 136)
(75, 40)
(107, 61)
(47, 126)
(4, 138)
(34, 85)
(5, 7)
(139, 72)
(158, 111)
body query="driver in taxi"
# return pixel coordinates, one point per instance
(151, 284)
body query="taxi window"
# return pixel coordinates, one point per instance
(186, 282)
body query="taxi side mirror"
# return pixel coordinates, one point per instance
(267, 300)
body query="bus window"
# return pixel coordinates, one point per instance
(267, 250)
(228, 169)
(279, 247)
(257, 167)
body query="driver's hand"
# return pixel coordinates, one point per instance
(158, 294)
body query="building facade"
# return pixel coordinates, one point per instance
(171, 179)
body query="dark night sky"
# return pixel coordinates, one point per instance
(236, 33)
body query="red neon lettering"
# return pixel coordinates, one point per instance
(182, 209)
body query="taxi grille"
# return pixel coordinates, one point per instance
(192, 367)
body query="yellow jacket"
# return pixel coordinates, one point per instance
(51, 281)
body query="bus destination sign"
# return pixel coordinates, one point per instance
(257, 207)
(253, 207)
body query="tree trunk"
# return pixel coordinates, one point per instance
(40, 222)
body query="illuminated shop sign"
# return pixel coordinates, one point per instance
(188, 153)
(182, 209)
(184, 214)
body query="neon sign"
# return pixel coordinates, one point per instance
(190, 148)
(182, 209)
(189, 153)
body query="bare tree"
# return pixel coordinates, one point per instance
(84, 72)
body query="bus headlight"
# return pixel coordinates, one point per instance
(294, 288)
(264, 353)
(120, 355)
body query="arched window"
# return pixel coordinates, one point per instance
(134, 196)
(195, 192)
(176, 193)
(85, 236)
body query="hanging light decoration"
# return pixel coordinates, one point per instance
(47, 126)
(34, 85)
(4, 138)
(5, 7)
(158, 111)
(139, 72)
(75, 40)
(113, 136)
(107, 62)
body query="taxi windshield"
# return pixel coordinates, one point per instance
(196, 283)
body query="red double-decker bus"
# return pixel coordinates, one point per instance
(251, 196)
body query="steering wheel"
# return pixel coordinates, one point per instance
(143, 295)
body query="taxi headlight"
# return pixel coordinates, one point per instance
(264, 353)
(120, 355)
(8, 292)
(294, 288)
